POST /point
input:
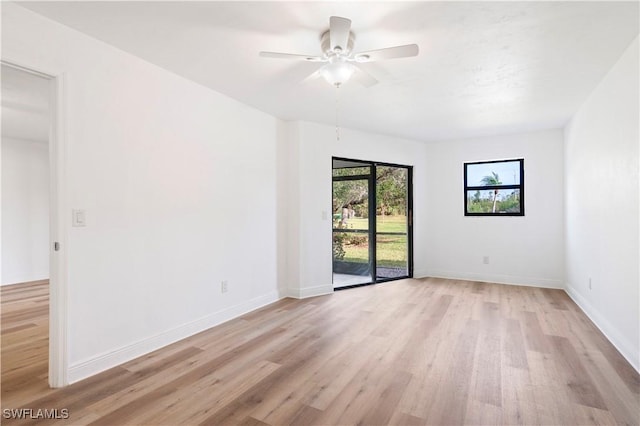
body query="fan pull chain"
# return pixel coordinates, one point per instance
(337, 113)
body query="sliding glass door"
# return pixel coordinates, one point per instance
(372, 222)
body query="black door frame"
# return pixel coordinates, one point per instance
(371, 177)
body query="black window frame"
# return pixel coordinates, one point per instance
(520, 186)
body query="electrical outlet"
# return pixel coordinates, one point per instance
(224, 286)
(485, 260)
(590, 283)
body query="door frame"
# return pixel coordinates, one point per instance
(373, 219)
(58, 261)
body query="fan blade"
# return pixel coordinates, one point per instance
(309, 58)
(339, 29)
(364, 78)
(313, 76)
(387, 53)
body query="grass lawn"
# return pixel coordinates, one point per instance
(384, 223)
(391, 249)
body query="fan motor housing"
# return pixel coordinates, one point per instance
(325, 44)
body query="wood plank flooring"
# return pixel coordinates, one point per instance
(25, 339)
(410, 352)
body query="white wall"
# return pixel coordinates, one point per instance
(25, 211)
(601, 217)
(179, 185)
(311, 147)
(526, 250)
(288, 202)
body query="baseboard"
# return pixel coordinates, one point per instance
(283, 292)
(620, 342)
(420, 273)
(303, 293)
(28, 283)
(95, 365)
(27, 278)
(498, 279)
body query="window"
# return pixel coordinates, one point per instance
(494, 188)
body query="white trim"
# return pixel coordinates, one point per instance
(303, 293)
(58, 284)
(283, 293)
(27, 69)
(104, 361)
(620, 342)
(499, 279)
(420, 273)
(26, 278)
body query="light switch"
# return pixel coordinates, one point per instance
(324, 215)
(79, 218)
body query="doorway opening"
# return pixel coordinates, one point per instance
(30, 265)
(372, 222)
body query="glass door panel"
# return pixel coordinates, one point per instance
(351, 231)
(392, 222)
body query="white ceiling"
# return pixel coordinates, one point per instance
(483, 68)
(25, 105)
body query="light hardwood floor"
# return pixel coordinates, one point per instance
(428, 351)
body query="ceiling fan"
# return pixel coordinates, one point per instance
(337, 52)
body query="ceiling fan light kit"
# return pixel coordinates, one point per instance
(338, 72)
(337, 47)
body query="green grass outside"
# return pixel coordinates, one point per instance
(391, 249)
(384, 223)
